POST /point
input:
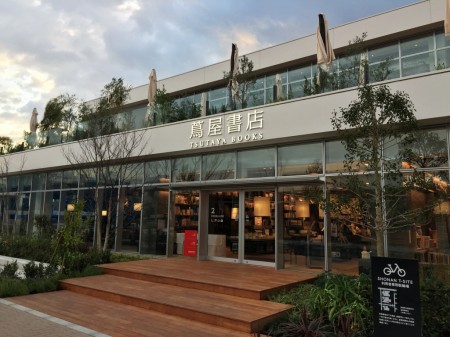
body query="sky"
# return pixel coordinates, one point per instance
(54, 47)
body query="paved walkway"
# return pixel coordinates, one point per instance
(19, 321)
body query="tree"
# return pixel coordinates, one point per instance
(5, 144)
(241, 83)
(60, 112)
(106, 154)
(366, 128)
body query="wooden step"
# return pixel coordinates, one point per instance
(231, 312)
(241, 280)
(116, 319)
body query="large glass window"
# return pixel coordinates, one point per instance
(384, 63)
(88, 178)
(25, 183)
(256, 163)
(218, 166)
(70, 179)
(154, 221)
(186, 169)
(133, 175)
(334, 157)
(300, 159)
(39, 181)
(54, 180)
(157, 171)
(428, 150)
(13, 183)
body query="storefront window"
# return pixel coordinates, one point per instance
(334, 157)
(157, 171)
(300, 159)
(88, 178)
(186, 208)
(427, 235)
(429, 149)
(54, 181)
(25, 183)
(13, 183)
(133, 175)
(70, 179)
(256, 163)
(129, 221)
(303, 227)
(186, 169)
(38, 182)
(218, 166)
(155, 205)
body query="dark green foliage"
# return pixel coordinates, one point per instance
(435, 300)
(59, 113)
(26, 247)
(34, 270)
(10, 270)
(337, 297)
(44, 226)
(12, 287)
(304, 326)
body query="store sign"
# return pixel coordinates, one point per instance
(396, 297)
(230, 129)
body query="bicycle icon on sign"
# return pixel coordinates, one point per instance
(389, 270)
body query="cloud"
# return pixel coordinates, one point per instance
(54, 47)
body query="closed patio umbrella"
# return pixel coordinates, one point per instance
(151, 112)
(279, 85)
(325, 53)
(447, 18)
(33, 121)
(203, 105)
(234, 66)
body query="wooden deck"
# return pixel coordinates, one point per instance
(170, 297)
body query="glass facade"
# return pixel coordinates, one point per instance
(151, 219)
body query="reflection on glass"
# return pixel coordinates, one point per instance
(186, 169)
(417, 64)
(223, 225)
(259, 231)
(300, 159)
(157, 171)
(154, 221)
(218, 166)
(256, 163)
(429, 149)
(70, 179)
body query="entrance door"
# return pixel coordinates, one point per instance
(223, 225)
(241, 226)
(259, 226)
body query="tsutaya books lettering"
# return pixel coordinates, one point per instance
(230, 129)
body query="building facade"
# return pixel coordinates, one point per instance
(239, 180)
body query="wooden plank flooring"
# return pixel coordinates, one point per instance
(119, 320)
(232, 312)
(170, 297)
(229, 278)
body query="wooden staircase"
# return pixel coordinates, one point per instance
(179, 297)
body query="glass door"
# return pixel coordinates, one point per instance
(223, 225)
(259, 226)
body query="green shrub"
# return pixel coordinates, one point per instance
(342, 297)
(26, 247)
(304, 326)
(34, 270)
(435, 300)
(12, 287)
(10, 270)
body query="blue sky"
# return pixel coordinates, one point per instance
(52, 47)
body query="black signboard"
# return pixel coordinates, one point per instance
(396, 297)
